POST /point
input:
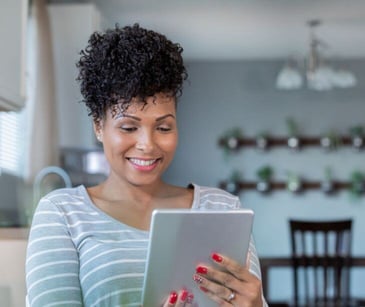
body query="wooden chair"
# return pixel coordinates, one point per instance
(320, 256)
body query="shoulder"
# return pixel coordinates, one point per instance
(61, 204)
(63, 196)
(215, 198)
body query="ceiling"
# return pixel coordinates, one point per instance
(246, 29)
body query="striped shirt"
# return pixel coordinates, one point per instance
(78, 255)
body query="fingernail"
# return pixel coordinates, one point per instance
(198, 279)
(203, 289)
(201, 270)
(190, 298)
(173, 297)
(184, 295)
(216, 257)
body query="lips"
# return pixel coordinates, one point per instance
(140, 162)
(144, 164)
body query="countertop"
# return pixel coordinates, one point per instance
(15, 233)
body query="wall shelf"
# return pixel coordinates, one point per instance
(233, 141)
(282, 185)
(304, 141)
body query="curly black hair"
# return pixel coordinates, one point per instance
(125, 63)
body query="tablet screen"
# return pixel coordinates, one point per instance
(182, 238)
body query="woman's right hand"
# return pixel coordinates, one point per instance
(183, 298)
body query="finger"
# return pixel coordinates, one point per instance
(189, 300)
(236, 269)
(171, 300)
(220, 301)
(182, 298)
(215, 291)
(248, 260)
(248, 290)
(225, 279)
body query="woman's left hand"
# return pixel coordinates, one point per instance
(235, 286)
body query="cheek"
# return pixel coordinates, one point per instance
(116, 143)
(169, 144)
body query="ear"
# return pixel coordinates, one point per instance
(98, 130)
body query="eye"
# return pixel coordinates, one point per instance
(128, 128)
(164, 128)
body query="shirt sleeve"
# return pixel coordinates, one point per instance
(52, 263)
(254, 262)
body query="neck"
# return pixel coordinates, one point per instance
(143, 196)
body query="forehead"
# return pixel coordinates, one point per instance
(157, 103)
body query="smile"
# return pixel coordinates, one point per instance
(142, 162)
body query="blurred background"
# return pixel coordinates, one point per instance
(257, 70)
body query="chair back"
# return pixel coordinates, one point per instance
(320, 256)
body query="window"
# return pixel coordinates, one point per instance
(11, 142)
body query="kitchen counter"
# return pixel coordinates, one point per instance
(14, 233)
(13, 246)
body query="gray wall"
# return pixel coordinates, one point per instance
(223, 95)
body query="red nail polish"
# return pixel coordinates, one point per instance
(184, 295)
(198, 279)
(201, 270)
(204, 289)
(216, 257)
(190, 298)
(173, 297)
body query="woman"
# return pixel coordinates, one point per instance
(88, 246)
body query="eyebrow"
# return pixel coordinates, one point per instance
(157, 119)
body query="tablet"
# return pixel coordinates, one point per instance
(182, 238)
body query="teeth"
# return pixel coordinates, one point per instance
(143, 162)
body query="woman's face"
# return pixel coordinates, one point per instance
(140, 142)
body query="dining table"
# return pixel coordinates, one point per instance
(269, 263)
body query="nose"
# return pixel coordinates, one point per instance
(145, 141)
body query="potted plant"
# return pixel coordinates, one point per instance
(330, 141)
(233, 182)
(293, 139)
(294, 183)
(231, 139)
(327, 185)
(262, 141)
(357, 136)
(264, 175)
(357, 184)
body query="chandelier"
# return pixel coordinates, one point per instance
(317, 73)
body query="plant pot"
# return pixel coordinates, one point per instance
(293, 142)
(232, 143)
(262, 143)
(327, 186)
(358, 187)
(233, 187)
(294, 186)
(263, 186)
(327, 143)
(358, 142)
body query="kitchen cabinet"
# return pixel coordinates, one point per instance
(71, 27)
(13, 25)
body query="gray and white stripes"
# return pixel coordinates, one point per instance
(79, 256)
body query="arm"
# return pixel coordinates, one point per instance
(253, 261)
(52, 265)
(254, 266)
